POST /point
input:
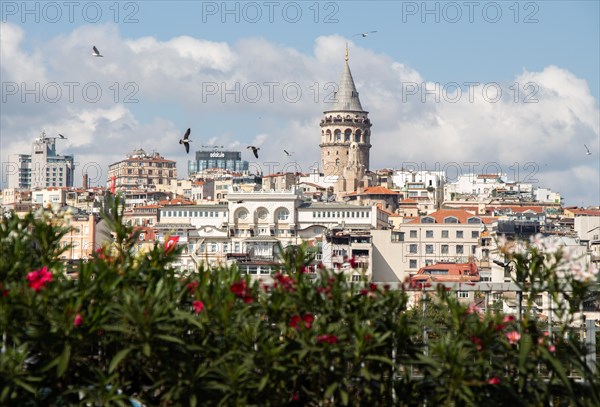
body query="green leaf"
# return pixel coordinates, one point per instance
(193, 400)
(118, 358)
(524, 348)
(25, 386)
(146, 349)
(170, 338)
(381, 359)
(344, 395)
(63, 360)
(263, 382)
(330, 390)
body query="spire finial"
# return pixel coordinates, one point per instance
(346, 52)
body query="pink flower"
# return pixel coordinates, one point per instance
(494, 380)
(330, 339)
(198, 306)
(552, 348)
(192, 287)
(513, 337)
(508, 318)
(78, 320)
(38, 279)
(473, 309)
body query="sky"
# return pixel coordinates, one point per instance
(466, 86)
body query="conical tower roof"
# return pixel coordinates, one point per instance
(346, 98)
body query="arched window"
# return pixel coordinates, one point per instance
(338, 135)
(427, 219)
(347, 135)
(357, 136)
(450, 219)
(283, 214)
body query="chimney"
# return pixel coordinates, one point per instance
(85, 181)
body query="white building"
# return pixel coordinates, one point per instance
(42, 168)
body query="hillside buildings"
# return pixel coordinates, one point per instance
(142, 171)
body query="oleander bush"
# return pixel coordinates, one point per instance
(129, 330)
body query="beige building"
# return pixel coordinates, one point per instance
(142, 171)
(81, 240)
(444, 235)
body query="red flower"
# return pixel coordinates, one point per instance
(38, 279)
(513, 337)
(478, 342)
(296, 396)
(171, 243)
(240, 289)
(78, 320)
(3, 291)
(192, 287)
(353, 262)
(473, 309)
(284, 281)
(321, 266)
(494, 380)
(308, 320)
(294, 321)
(373, 287)
(304, 270)
(330, 339)
(198, 306)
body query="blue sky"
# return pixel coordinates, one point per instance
(553, 44)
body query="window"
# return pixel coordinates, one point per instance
(397, 236)
(474, 234)
(459, 234)
(262, 214)
(427, 219)
(463, 294)
(412, 264)
(283, 214)
(445, 234)
(413, 233)
(429, 249)
(242, 214)
(460, 249)
(450, 219)
(429, 233)
(444, 249)
(474, 220)
(412, 248)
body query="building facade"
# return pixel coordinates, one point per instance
(216, 159)
(42, 168)
(143, 171)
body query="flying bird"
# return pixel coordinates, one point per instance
(186, 141)
(96, 52)
(288, 153)
(239, 202)
(588, 150)
(365, 34)
(61, 136)
(254, 150)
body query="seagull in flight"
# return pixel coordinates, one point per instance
(96, 52)
(365, 34)
(288, 153)
(186, 141)
(62, 137)
(254, 150)
(588, 150)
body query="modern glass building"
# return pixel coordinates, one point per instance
(217, 159)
